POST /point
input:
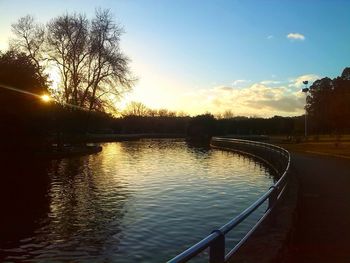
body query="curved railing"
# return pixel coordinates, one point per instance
(278, 159)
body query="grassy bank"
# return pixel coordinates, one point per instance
(337, 149)
(330, 145)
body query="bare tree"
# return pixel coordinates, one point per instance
(165, 113)
(152, 113)
(228, 114)
(181, 114)
(29, 39)
(67, 42)
(136, 109)
(94, 71)
(108, 66)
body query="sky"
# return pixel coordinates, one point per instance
(196, 56)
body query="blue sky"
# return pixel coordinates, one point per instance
(215, 56)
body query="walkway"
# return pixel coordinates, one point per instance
(323, 223)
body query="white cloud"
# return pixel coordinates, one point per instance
(240, 82)
(270, 37)
(296, 36)
(297, 82)
(264, 99)
(270, 82)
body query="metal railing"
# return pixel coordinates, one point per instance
(275, 156)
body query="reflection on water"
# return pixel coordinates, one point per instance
(141, 201)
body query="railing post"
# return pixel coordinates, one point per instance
(217, 249)
(273, 197)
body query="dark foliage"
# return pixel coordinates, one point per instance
(157, 124)
(270, 126)
(202, 127)
(18, 70)
(29, 123)
(328, 105)
(23, 116)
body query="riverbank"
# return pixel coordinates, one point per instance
(317, 229)
(339, 149)
(130, 137)
(71, 151)
(85, 144)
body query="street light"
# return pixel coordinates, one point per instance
(305, 90)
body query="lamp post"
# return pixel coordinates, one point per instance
(305, 90)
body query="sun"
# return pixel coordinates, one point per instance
(45, 98)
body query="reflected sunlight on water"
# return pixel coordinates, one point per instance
(140, 201)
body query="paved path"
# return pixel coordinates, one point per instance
(323, 222)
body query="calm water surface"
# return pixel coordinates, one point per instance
(141, 201)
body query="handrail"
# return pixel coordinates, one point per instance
(216, 240)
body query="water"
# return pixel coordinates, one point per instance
(140, 201)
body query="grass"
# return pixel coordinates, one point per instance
(331, 145)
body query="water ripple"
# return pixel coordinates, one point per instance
(142, 201)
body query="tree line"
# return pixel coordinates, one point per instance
(26, 120)
(94, 73)
(328, 105)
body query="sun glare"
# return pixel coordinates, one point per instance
(54, 77)
(45, 98)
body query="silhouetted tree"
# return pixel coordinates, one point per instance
(165, 113)
(328, 104)
(94, 72)
(136, 109)
(228, 114)
(29, 39)
(202, 127)
(18, 70)
(24, 117)
(346, 74)
(319, 103)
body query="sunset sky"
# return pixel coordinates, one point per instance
(195, 56)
